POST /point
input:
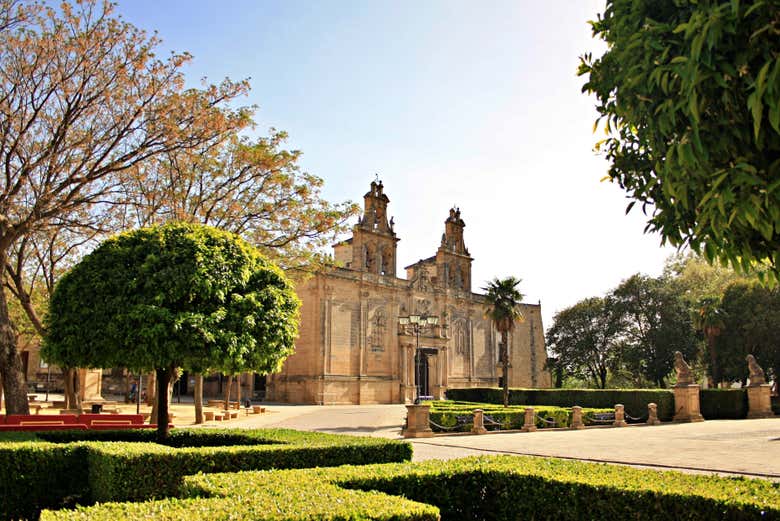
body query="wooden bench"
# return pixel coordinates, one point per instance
(49, 422)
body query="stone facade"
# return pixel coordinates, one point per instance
(351, 348)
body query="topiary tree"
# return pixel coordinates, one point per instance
(690, 95)
(178, 295)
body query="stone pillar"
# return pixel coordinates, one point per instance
(530, 423)
(576, 418)
(652, 414)
(686, 403)
(759, 401)
(620, 416)
(417, 425)
(479, 422)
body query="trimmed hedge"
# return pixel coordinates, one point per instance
(483, 488)
(634, 400)
(448, 413)
(86, 471)
(723, 404)
(34, 476)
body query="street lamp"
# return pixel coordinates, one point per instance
(418, 322)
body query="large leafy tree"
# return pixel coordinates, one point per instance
(752, 315)
(689, 94)
(254, 188)
(82, 99)
(503, 308)
(586, 339)
(657, 323)
(178, 295)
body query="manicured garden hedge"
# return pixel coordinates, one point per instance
(85, 471)
(451, 416)
(497, 488)
(634, 400)
(723, 404)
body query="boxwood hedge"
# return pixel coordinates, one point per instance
(451, 416)
(634, 400)
(62, 470)
(731, 404)
(483, 488)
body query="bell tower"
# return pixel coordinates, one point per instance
(453, 261)
(373, 239)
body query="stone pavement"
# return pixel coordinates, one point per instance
(747, 447)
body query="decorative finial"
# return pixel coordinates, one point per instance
(376, 178)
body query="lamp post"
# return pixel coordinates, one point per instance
(418, 322)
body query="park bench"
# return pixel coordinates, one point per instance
(49, 422)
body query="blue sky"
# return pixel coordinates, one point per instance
(450, 102)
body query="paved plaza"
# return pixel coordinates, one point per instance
(747, 447)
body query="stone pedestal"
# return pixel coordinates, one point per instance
(417, 425)
(479, 422)
(529, 425)
(576, 418)
(759, 401)
(686, 403)
(620, 416)
(652, 414)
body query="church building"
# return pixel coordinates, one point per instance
(367, 336)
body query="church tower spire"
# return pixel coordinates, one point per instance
(372, 247)
(453, 261)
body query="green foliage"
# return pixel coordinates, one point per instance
(752, 315)
(458, 416)
(178, 295)
(634, 400)
(42, 474)
(34, 476)
(585, 339)
(723, 404)
(657, 323)
(495, 488)
(689, 93)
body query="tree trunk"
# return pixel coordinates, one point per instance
(164, 378)
(714, 367)
(72, 398)
(14, 388)
(505, 366)
(151, 390)
(227, 391)
(197, 395)
(238, 389)
(603, 378)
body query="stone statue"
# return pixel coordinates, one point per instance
(684, 376)
(756, 373)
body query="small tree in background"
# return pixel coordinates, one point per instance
(503, 300)
(585, 339)
(178, 295)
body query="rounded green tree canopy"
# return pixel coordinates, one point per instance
(178, 295)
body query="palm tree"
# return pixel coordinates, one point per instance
(503, 300)
(709, 318)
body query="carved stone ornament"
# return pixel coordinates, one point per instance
(757, 376)
(684, 376)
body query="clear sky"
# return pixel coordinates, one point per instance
(470, 103)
